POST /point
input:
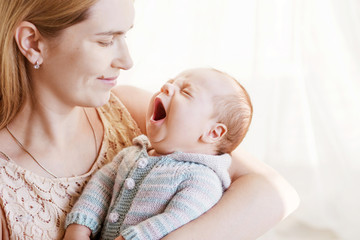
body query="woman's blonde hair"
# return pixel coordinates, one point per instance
(49, 17)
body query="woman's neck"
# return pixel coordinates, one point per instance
(53, 125)
(64, 142)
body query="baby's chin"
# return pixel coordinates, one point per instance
(155, 137)
(162, 148)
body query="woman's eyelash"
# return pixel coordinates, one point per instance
(109, 42)
(106, 44)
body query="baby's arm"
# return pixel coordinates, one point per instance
(195, 195)
(91, 208)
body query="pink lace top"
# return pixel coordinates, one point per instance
(35, 207)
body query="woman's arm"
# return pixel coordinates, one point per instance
(257, 199)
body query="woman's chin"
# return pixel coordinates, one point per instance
(101, 100)
(105, 98)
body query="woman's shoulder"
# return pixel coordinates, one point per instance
(119, 127)
(136, 101)
(116, 116)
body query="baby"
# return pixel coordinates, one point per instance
(176, 173)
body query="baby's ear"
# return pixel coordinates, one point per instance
(217, 131)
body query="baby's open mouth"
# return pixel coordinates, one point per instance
(159, 110)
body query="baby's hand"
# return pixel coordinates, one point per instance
(77, 232)
(120, 238)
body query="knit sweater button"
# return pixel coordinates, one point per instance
(143, 162)
(129, 183)
(113, 217)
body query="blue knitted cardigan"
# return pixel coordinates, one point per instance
(146, 197)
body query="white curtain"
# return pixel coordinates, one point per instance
(300, 62)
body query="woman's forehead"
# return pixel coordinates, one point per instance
(111, 16)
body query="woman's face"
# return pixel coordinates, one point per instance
(81, 65)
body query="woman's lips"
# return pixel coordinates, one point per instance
(108, 80)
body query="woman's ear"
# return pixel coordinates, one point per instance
(216, 132)
(27, 38)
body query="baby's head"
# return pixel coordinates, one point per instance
(235, 111)
(200, 111)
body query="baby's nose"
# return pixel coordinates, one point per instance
(168, 89)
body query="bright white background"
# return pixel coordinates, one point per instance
(300, 62)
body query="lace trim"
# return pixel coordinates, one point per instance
(35, 207)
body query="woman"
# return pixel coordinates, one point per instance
(60, 122)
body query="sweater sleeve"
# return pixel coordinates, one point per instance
(91, 208)
(197, 193)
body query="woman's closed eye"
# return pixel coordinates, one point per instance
(106, 43)
(110, 42)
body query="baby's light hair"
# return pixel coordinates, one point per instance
(235, 111)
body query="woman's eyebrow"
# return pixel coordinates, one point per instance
(113, 33)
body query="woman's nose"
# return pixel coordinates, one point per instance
(168, 89)
(122, 58)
